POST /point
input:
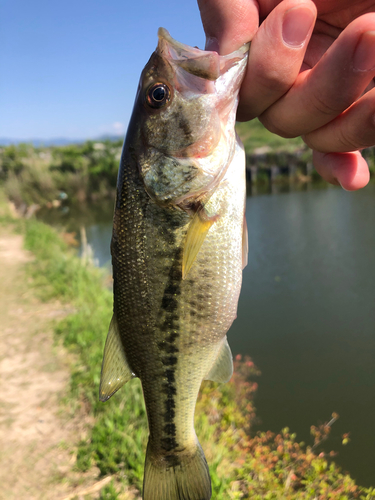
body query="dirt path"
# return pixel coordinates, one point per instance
(37, 439)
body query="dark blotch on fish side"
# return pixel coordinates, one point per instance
(169, 303)
(169, 415)
(170, 349)
(172, 219)
(170, 323)
(172, 288)
(169, 443)
(170, 429)
(169, 404)
(169, 361)
(169, 390)
(172, 337)
(170, 376)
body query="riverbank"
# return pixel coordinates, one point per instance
(114, 434)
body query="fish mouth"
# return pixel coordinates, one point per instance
(208, 65)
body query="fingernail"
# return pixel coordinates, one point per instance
(212, 44)
(297, 24)
(364, 55)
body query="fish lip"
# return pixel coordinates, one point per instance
(191, 58)
(181, 48)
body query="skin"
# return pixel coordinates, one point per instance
(310, 73)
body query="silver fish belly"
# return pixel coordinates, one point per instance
(179, 245)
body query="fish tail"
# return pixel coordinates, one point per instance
(181, 476)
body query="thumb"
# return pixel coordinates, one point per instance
(228, 24)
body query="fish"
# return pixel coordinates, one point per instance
(179, 245)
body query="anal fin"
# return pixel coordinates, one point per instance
(115, 369)
(222, 368)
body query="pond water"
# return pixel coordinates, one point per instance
(306, 313)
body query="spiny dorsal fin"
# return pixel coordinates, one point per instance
(222, 368)
(115, 369)
(195, 236)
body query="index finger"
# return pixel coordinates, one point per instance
(228, 25)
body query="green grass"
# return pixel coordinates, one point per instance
(254, 135)
(264, 466)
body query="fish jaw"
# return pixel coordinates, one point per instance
(188, 142)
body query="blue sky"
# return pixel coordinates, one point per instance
(71, 68)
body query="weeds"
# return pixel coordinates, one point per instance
(44, 175)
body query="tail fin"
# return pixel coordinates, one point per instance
(178, 477)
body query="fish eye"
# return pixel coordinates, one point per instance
(158, 95)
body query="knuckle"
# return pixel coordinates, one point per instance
(309, 141)
(325, 107)
(273, 125)
(273, 82)
(346, 142)
(351, 139)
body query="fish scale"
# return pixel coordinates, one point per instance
(177, 254)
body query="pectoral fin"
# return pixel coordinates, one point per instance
(196, 234)
(115, 369)
(222, 369)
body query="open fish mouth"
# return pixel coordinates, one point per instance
(204, 64)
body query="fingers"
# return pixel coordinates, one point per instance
(340, 77)
(346, 169)
(353, 129)
(228, 25)
(276, 55)
(323, 37)
(302, 83)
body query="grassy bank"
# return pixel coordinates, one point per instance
(242, 465)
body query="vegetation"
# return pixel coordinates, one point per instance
(242, 465)
(47, 175)
(42, 176)
(254, 136)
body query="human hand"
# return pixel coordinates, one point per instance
(304, 80)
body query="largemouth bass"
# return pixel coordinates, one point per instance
(178, 248)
